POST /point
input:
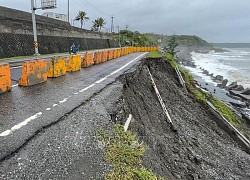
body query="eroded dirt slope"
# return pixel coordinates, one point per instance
(199, 149)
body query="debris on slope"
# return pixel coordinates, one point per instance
(199, 149)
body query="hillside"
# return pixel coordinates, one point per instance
(200, 148)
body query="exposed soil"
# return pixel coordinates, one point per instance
(199, 149)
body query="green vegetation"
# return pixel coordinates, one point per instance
(82, 17)
(98, 24)
(155, 54)
(172, 44)
(226, 112)
(182, 40)
(124, 153)
(126, 37)
(185, 40)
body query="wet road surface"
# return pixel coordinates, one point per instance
(25, 110)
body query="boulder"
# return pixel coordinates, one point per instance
(223, 84)
(231, 86)
(205, 72)
(239, 88)
(218, 78)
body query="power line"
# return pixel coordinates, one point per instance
(90, 8)
(98, 9)
(102, 12)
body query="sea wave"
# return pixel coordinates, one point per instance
(233, 65)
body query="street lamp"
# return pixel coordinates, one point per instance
(45, 4)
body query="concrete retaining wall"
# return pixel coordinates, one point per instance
(54, 36)
(20, 22)
(22, 44)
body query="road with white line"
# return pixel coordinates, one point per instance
(26, 110)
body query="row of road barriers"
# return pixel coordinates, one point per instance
(36, 71)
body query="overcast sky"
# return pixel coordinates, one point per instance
(213, 20)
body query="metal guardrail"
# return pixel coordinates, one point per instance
(160, 99)
(181, 80)
(236, 131)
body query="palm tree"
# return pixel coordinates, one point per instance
(98, 24)
(82, 17)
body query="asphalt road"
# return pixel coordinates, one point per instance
(26, 110)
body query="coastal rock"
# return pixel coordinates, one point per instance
(223, 84)
(239, 88)
(212, 74)
(246, 91)
(218, 78)
(231, 86)
(205, 72)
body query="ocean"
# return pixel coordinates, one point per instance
(234, 65)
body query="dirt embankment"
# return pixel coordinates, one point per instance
(199, 149)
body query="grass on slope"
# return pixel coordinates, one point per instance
(155, 54)
(124, 153)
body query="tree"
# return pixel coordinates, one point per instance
(98, 24)
(82, 17)
(172, 44)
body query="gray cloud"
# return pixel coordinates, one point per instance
(213, 20)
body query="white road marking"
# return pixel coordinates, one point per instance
(116, 71)
(18, 126)
(103, 79)
(14, 85)
(37, 115)
(85, 89)
(63, 101)
(76, 93)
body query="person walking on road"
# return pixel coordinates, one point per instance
(73, 49)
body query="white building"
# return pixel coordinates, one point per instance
(62, 17)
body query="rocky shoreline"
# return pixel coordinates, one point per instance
(184, 53)
(238, 96)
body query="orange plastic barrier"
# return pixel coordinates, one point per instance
(118, 53)
(74, 63)
(104, 56)
(115, 53)
(33, 72)
(138, 49)
(122, 51)
(57, 67)
(88, 60)
(97, 57)
(134, 49)
(125, 51)
(110, 55)
(5, 78)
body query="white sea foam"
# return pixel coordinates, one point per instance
(233, 65)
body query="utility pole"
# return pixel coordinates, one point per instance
(68, 10)
(119, 38)
(112, 21)
(33, 9)
(126, 27)
(126, 32)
